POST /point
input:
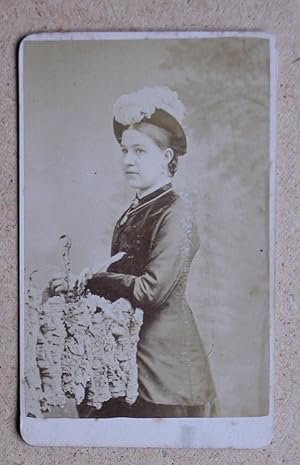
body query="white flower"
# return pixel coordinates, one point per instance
(132, 108)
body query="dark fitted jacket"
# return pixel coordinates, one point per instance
(160, 239)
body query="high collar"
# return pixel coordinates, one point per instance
(139, 204)
(153, 194)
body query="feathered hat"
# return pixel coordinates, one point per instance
(157, 105)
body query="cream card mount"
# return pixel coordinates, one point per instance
(147, 199)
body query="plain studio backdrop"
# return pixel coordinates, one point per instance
(74, 184)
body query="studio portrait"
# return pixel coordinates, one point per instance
(146, 228)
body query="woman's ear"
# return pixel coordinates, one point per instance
(169, 155)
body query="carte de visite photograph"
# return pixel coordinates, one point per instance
(147, 184)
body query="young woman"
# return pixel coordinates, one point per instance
(159, 237)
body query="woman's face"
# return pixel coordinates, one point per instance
(145, 164)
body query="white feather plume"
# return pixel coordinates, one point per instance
(132, 108)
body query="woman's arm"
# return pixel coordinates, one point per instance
(175, 240)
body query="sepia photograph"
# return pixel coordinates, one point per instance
(147, 183)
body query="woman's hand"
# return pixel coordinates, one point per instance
(103, 266)
(58, 284)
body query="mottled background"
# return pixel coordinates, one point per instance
(19, 18)
(74, 185)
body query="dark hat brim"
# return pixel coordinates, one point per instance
(164, 120)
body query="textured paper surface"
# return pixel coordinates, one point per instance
(67, 147)
(283, 20)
